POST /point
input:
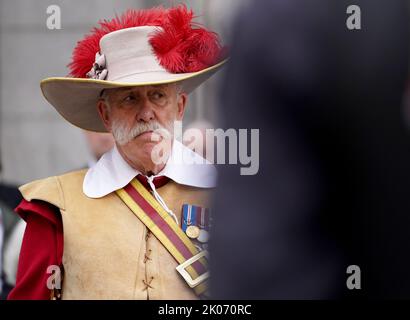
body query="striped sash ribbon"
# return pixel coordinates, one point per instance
(162, 225)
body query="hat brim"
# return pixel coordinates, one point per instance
(75, 99)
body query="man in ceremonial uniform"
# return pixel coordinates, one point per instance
(132, 226)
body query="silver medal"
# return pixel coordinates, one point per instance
(203, 236)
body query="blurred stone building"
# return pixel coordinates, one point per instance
(35, 141)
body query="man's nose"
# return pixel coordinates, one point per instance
(146, 112)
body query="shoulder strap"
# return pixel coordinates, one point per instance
(162, 225)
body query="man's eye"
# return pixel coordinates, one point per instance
(129, 98)
(157, 95)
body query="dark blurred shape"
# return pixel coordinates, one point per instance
(10, 197)
(333, 187)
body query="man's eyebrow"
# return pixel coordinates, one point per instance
(160, 86)
(121, 90)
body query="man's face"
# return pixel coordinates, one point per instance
(132, 114)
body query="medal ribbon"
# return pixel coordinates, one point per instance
(164, 228)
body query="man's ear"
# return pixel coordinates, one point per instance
(104, 113)
(181, 104)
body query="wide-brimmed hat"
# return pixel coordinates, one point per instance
(141, 47)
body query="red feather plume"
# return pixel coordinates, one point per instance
(182, 46)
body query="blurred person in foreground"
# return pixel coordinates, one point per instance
(118, 230)
(334, 181)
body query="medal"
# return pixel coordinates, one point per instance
(196, 223)
(186, 217)
(192, 232)
(203, 236)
